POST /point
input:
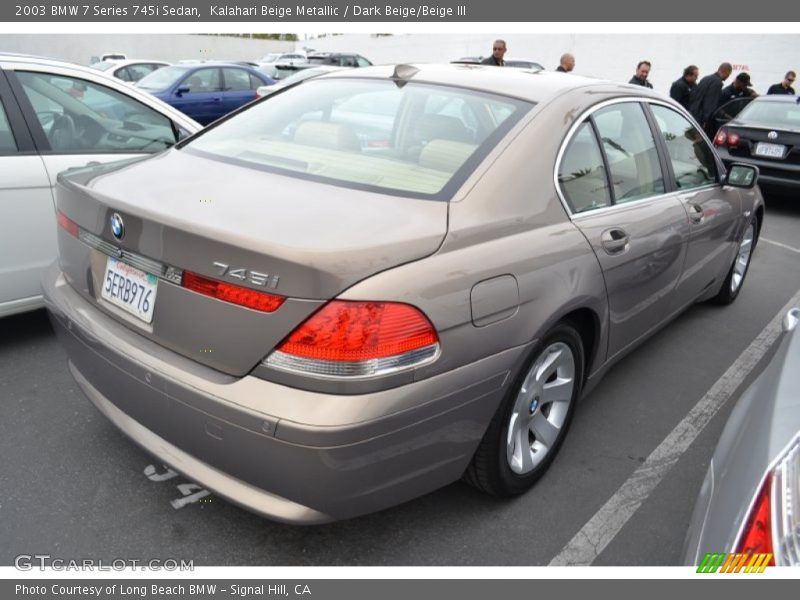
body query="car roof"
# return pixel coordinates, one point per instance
(777, 98)
(532, 85)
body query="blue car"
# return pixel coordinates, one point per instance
(205, 91)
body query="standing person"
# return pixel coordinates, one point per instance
(740, 88)
(785, 86)
(681, 90)
(705, 97)
(642, 71)
(566, 63)
(498, 52)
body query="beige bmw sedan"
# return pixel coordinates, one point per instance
(366, 287)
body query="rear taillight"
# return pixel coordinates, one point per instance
(757, 534)
(234, 294)
(727, 138)
(773, 525)
(351, 339)
(67, 224)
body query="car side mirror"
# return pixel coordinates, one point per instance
(184, 89)
(742, 176)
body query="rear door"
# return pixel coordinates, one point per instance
(612, 179)
(27, 228)
(239, 86)
(713, 211)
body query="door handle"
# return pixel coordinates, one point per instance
(614, 240)
(696, 213)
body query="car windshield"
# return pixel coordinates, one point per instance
(105, 65)
(317, 60)
(772, 114)
(162, 78)
(270, 58)
(417, 140)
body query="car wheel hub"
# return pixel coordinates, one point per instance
(743, 258)
(540, 408)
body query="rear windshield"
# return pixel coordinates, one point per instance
(417, 140)
(772, 114)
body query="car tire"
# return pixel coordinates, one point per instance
(741, 264)
(530, 424)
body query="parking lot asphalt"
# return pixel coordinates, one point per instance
(74, 487)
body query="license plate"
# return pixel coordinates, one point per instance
(769, 150)
(134, 291)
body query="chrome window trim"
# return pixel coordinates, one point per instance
(605, 209)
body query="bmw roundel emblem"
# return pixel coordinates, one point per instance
(773, 135)
(117, 226)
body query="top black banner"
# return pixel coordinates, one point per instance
(397, 11)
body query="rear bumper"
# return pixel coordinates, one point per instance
(230, 434)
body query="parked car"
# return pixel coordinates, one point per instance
(108, 56)
(270, 63)
(129, 70)
(749, 498)
(205, 91)
(53, 116)
(766, 133)
(338, 59)
(294, 78)
(316, 327)
(517, 63)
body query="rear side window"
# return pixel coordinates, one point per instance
(236, 80)
(417, 140)
(630, 151)
(691, 157)
(581, 172)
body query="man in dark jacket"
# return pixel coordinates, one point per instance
(498, 52)
(705, 97)
(642, 71)
(785, 86)
(740, 88)
(681, 90)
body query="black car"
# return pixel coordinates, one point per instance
(338, 59)
(766, 133)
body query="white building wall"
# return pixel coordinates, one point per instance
(168, 47)
(766, 57)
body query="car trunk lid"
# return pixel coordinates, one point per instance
(304, 240)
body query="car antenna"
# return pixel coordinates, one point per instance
(402, 73)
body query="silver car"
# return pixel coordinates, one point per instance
(384, 280)
(749, 503)
(53, 116)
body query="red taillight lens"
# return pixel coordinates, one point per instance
(721, 138)
(70, 226)
(356, 331)
(756, 537)
(733, 139)
(352, 339)
(232, 293)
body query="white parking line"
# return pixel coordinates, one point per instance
(598, 532)
(785, 246)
